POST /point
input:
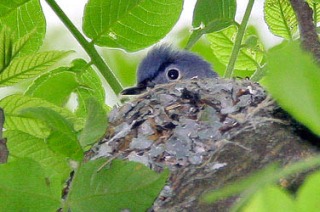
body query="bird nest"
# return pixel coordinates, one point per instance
(178, 124)
(207, 132)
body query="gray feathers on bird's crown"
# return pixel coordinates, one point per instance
(163, 65)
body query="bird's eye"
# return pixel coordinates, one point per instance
(173, 74)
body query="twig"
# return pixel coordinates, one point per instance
(96, 59)
(3, 147)
(237, 43)
(308, 34)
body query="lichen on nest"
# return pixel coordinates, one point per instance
(178, 124)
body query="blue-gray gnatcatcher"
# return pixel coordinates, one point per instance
(163, 64)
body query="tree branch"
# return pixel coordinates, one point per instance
(308, 34)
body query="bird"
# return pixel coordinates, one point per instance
(163, 64)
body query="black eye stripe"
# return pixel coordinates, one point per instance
(161, 69)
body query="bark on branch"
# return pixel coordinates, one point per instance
(308, 34)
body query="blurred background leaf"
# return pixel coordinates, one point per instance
(124, 64)
(309, 193)
(293, 81)
(270, 198)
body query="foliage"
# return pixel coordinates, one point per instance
(281, 18)
(211, 16)
(260, 194)
(272, 198)
(47, 138)
(130, 25)
(121, 186)
(297, 68)
(250, 56)
(24, 185)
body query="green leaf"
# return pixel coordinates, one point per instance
(211, 16)
(270, 198)
(23, 145)
(91, 86)
(309, 194)
(315, 6)
(62, 139)
(12, 106)
(8, 6)
(251, 41)
(280, 18)
(96, 123)
(249, 58)
(19, 44)
(23, 20)
(29, 66)
(293, 80)
(129, 24)
(9, 47)
(55, 86)
(25, 187)
(125, 185)
(6, 48)
(215, 15)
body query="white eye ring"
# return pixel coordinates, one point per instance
(173, 74)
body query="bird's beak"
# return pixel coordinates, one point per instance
(140, 88)
(134, 90)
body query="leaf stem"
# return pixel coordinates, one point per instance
(258, 74)
(96, 59)
(237, 43)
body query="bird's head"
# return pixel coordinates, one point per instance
(163, 65)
